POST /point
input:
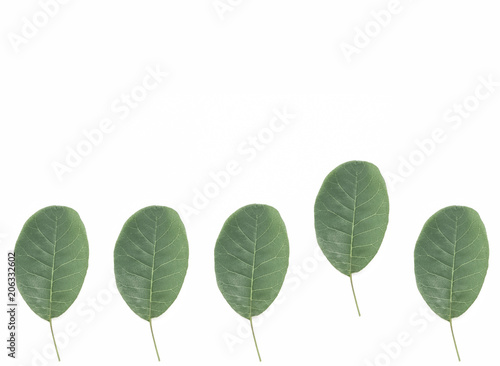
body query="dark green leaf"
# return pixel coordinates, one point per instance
(251, 259)
(351, 215)
(52, 255)
(151, 260)
(451, 260)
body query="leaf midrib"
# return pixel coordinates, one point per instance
(353, 222)
(253, 265)
(453, 267)
(53, 269)
(152, 270)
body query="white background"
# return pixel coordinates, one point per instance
(226, 76)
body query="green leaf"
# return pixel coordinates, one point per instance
(151, 261)
(451, 261)
(52, 255)
(251, 260)
(351, 216)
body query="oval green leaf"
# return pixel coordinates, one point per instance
(52, 254)
(451, 261)
(351, 216)
(251, 259)
(151, 261)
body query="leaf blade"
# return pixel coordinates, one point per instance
(52, 255)
(251, 259)
(451, 260)
(151, 260)
(351, 215)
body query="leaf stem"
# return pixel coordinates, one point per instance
(255, 340)
(154, 341)
(54, 339)
(454, 341)
(354, 293)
